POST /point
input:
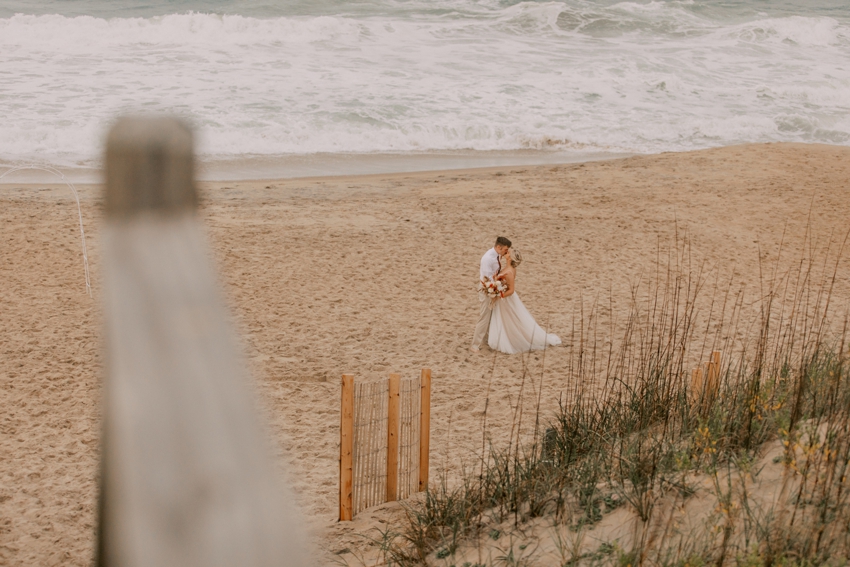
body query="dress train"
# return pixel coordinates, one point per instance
(513, 329)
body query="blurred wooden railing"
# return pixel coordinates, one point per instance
(186, 477)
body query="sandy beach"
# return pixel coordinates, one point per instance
(370, 275)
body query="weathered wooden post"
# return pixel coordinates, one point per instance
(697, 389)
(186, 476)
(424, 427)
(392, 437)
(705, 385)
(712, 382)
(346, 448)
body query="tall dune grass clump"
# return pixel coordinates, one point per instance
(749, 470)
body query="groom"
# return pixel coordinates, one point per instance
(490, 268)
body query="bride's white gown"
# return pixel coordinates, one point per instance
(513, 329)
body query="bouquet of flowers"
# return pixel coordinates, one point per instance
(491, 289)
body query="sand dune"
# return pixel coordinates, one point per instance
(370, 275)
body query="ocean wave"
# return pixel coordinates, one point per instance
(82, 33)
(626, 77)
(797, 30)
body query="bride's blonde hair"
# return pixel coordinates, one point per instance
(516, 257)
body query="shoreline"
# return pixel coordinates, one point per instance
(263, 168)
(404, 167)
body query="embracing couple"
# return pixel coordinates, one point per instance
(510, 326)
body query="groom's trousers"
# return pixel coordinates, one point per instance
(483, 323)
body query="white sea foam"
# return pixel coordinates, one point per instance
(457, 75)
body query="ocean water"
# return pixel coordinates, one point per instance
(326, 86)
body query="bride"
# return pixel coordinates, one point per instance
(512, 328)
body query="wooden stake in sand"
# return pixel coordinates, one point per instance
(712, 381)
(424, 427)
(697, 386)
(392, 437)
(186, 477)
(346, 448)
(705, 385)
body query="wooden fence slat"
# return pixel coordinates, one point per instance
(424, 427)
(187, 479)
(346, 448)
(713, 377)
(392, 437)
(705, 385)
(697, 387)
(370, 445)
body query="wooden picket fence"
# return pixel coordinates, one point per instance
(384, 441)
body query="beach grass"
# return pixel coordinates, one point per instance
(642, 464)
